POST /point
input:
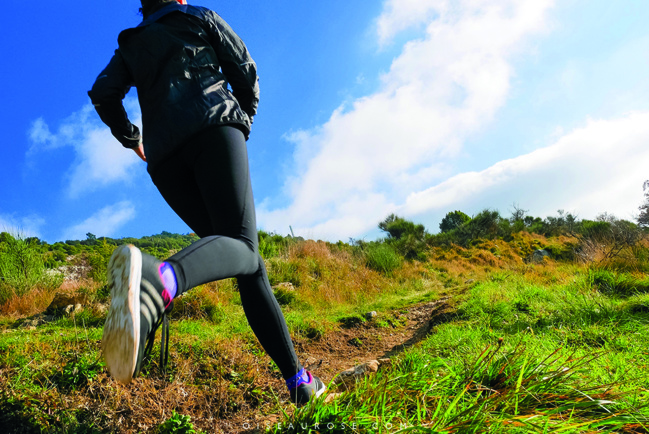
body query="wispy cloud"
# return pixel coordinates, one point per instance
(444, 87)
(105, 222)
(99, 159)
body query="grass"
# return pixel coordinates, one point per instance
(521, 356)
(548, 347)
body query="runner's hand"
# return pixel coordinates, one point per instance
(140, 152)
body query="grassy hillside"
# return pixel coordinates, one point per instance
(474, 335)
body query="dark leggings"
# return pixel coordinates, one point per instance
(207, 183)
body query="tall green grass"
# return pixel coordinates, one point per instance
(382, 258)
(22, 268)
(521, 356)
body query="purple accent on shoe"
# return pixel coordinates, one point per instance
(302, 377)
(167, 298)
(168, 277)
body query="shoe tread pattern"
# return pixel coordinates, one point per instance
(122, 328)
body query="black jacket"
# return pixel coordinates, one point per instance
(181, 59)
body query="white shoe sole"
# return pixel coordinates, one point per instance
(121, 336)
(318, 393)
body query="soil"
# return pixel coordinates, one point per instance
(349, 347)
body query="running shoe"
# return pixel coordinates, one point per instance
(302, 391)
(138, 307)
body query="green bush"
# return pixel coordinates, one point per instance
(281, 270)
(271, 245)
(406, 237)
(98, 261)
(22, 268)
(597, 230)
(382, 258)
(453, 220)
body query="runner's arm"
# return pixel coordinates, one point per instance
(237, 64)
(107, 94)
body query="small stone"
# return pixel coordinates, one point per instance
(370, 315)
(285, 286)
(357, 371)
(331, 397)
(539, 255)
(371, 366)
(63, 301)
(78, 307)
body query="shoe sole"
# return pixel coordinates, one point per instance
(320, 392)
(121, 335)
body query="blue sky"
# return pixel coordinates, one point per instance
(416, 107)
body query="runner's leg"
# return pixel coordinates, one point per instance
(210, 189)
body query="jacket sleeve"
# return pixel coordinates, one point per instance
(107, 94)
(236, 64)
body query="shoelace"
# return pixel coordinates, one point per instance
(164, 343)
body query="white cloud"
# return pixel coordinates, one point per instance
(104, 223)
(442, 88)
(100, 159)
(29, 226)
(597, 168)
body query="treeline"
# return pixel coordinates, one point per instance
(56, 254)
(411, 240)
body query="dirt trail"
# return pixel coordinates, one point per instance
(348, 347)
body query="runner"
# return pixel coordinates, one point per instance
(181, 59)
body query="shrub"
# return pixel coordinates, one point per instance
(22, 268)
(271, 245)
(608, 238)
(282, 270)
(406, 237)
(397, 227)
(453, 220)
(98, 259)
(382, 258)
(487, 224)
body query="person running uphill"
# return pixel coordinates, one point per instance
(181, 59)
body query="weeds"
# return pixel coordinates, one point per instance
(79, 371)
(177, 424)
(22, 268)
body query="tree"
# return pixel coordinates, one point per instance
(398, 227)
(453, 220)
(643, 218)
(518, 213)
(405, 236)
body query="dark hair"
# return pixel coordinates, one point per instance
(147, 5)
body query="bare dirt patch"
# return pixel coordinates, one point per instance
(346, 348)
